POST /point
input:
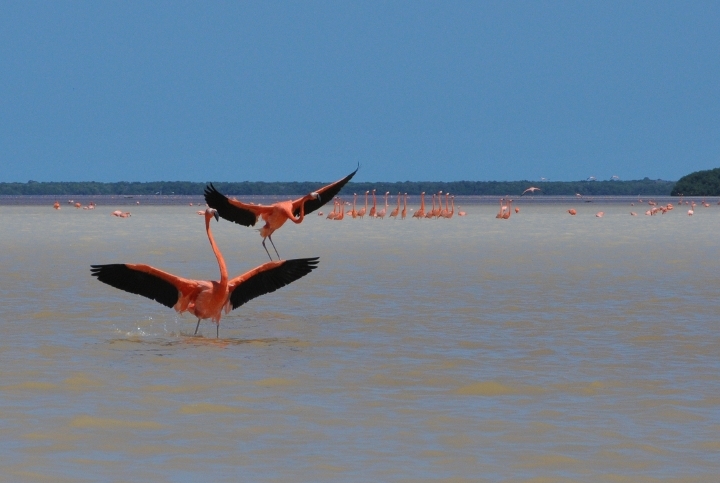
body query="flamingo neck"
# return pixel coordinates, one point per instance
(302, 210)
(218, 254)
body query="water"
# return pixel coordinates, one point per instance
(540, 348)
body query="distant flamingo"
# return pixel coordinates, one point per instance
(502, 209)
(444, 211)
(436, 211)
(341, 214)
(274, 215)
(404, 211)
(572, 211)
(396, 211)
(56, 205)
(508, 211)
(381, 214)
(449, 214)
(361, 213)
(600, 214)
(531, 189)
(373, 209)
(334, 212)
(353, 213)
(204, 299)
(431, 213)
(421, 212)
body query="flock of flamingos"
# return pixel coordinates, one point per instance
(210, 299)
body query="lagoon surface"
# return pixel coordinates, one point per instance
(545, 347)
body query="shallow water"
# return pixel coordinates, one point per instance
(540, 348)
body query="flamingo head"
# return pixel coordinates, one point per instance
(210, 212)
(315, 196)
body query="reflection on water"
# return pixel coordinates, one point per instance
(540, 348)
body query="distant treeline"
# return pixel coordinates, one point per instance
(699, 183)
(645, 187)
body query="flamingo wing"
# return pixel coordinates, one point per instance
(232, 210)
(326, 193)
(267, 278)
(144, 280)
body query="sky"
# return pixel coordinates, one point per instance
(304, 91)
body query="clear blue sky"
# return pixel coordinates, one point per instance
(303, 91)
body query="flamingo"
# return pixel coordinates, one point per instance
(362, 211)
(444, 211)
(531, 189)
(421, 212)
(353, 213)
(502, 209)
(449, 214)
(373, 209)
(56, 205)
(404, 211)
(381, 214)
(507, 213)
(600, 214)
(572, 211)
(334, 213)
(396, 211)
(275, 215)
(436, 211)
(341, 213)
(204, 299)
(431, 213)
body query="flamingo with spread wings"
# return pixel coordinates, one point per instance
(204, 299)
(275, 215)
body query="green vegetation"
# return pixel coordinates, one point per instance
(646, 187)
(699, 183)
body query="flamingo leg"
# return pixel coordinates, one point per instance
(266, 250)
(197, 327)
(271, 242)
(217, 331)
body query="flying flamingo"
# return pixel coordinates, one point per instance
(421, 212)
(275, 215)
(397, 209)
(204, 299)
(373, 209)
(404, 211)
(381, 214)
(362, 211)
(531, 189)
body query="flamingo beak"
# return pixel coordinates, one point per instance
(217, 217)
